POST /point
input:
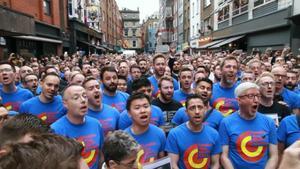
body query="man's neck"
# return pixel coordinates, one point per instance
(266, 101)
(75, 120)
(278, 91)
(157, 77)
(246, 117)
(226, 85)
(136, 129)
(187, 91)
(95, 108)
(163, 100)
(195, 128)
(109, 93)
(43, 99)
(9, 88)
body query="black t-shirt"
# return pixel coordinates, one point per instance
(279, 109)
(169, 110)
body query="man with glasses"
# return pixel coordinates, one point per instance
(31, 82)
(120, 151)
(283, 94)
(12, 96)
(268, 106)
(249, 139)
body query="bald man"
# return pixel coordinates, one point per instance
(283, 94)
(75, 124)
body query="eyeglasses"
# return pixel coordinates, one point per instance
(265, 84)
(5, 70)
(251, 96)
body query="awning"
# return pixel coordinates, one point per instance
(211, 44)
(229, 40)
(36, 38)
(100, 48)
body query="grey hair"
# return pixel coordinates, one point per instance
(118, 145)
(243, 87)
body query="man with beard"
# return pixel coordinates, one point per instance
(223, 98)
(144, 67)
(283, 94)
(291, 82)
(105, 114)
(30, 82)
(48, 106)
(86, 69)
(142, 85)
(159, 66)
(192, 141)
(76, 124)
(249, 138)
(186, 80)
(123, 68)
(217, 74)
(150, 137)
(135, 73)
(176, 68)
(267, 105)
(212, 117)
(111, 95)
(12, 96)
(165, 100)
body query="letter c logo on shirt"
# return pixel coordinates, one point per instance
(192, 159)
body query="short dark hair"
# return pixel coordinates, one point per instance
(87, 79)
(29, 74)
(136, 96)
(203, 67)
(192, 96)
(207, 80)
(49, 74)
(5, 62)
(139, 83)
(166, 78)
(107, 69)
(20, 125)
(118, 145)
(156, 56)
(65, 153)
(134, 66)
(184, 69)
(121, 61)
(230, 57)
(122, 77)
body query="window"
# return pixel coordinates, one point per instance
(193, 9)
(207, 25)
(223, 14)
(133, 43)
(198, 6)
(70, 7)
(126, 31)
(239, 6)
(47, 7)
(133, 32)
(260, 2)
(207, 3)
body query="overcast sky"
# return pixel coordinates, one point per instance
(147, 7)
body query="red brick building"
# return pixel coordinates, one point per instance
(34, 27)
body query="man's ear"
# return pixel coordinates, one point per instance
(112, 164)
(3, 152)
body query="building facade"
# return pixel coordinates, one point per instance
(166, 25)
(150, 28)
(33, 28)
(132, 30)
(195, 24)
(235, 25)
(186, 25)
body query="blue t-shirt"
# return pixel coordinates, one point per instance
(152, 141)
(47, 112)
(155, 89)
(89, 134)
(288, 131)
(291, 98)
(157, 118)
(223, 99)
(107, 116)
(213, 120)
(12, 101)
(180, 96)
(117, 101)
(195, 149)
(248, 140)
